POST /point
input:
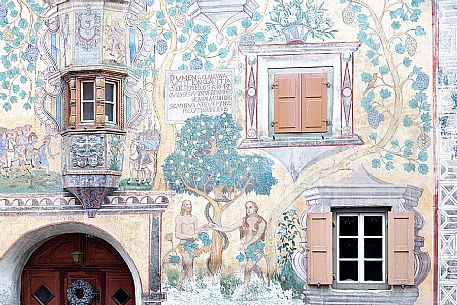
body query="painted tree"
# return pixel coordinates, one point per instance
(186, 44)
(206, 163)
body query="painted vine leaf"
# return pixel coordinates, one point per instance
(19, 22)
(197, 44)
(206, 158)
(299, 20)
(392, 54)
(287, 233)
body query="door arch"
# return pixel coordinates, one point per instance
(80, 267)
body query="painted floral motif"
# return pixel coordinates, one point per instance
(288, 233)
(300, 20)
(116, 153)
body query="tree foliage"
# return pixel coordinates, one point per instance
(206, 161)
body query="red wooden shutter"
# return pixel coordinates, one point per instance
(400, 248)
(319, 248)
(314, 102)
(287, 103)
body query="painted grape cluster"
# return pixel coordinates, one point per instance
(392, 53)
(199, 45)
(19, 22)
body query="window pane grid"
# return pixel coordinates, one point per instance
(87, 101)
(110, 102)
(365, 243)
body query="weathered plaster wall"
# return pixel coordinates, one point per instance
(392, 113)
(446, 152)
(115, 227)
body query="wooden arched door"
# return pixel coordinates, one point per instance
(80, 267)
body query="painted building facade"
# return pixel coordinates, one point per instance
(227, 152)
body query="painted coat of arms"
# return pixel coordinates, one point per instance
(88, 29)
(87, 151)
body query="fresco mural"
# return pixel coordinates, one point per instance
(445, 115)
(25, 162)
(240, 215)
(207, 164)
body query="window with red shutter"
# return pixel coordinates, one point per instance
(401, 248)
(300, 103)
(319, 248)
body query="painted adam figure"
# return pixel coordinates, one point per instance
(252, 233)
(186, 231)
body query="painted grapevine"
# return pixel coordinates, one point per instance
(394, 69)
(19, 22)
(199, 45)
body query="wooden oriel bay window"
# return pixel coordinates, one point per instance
(94, 101)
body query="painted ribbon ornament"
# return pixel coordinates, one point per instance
(80, 286)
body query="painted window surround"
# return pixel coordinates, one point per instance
(259, 59)
(363, 191)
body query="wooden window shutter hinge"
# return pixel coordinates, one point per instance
(274, 86)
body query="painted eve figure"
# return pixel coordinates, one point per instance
(187, 231)
(252, 234)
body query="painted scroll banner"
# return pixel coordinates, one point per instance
(190, 93)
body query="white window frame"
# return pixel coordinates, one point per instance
(92, 121)
(259, 59)
(294, 63)
(360, 259)
(329, 71)
(113, 102)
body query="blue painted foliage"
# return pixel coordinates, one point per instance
(206, 158)
(394, 73)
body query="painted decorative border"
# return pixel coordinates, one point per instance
(344, 50)
(65, 203)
